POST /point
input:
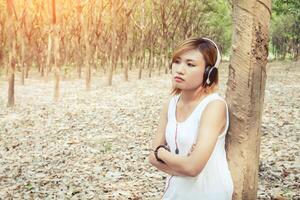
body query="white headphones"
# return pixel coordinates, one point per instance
(216, 65)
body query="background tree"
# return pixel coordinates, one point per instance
(103, 36)
(12, 57)
(285, 29)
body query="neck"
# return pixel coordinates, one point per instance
(189, 96)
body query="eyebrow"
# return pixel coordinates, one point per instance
(188, 60)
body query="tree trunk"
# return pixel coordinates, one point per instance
(131, 61)
(84, 24)
(88, 76)
(126, 69)
(56, 67)
(245, 93)
(11, 82)
(22, 60)
(141, 65)
(79, 68)
(56, 54)
(39, 62)
(110, 71)
(27, 70)
(166, 61)
(49, 53)
(11, 56)
(56, 83)
(113, 41)
(149, 64)
(125, 55)
(95, 59)
(160, 62)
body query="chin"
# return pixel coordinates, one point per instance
(179, 87)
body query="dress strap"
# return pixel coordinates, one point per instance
(172, 106)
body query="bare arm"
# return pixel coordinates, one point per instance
(160, 139)
(211, 124)
(165, 168)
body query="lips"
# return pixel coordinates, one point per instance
(178, 78)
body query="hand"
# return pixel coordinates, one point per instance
(168, 146)
(192, 149)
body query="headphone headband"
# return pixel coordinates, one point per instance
(216, 65)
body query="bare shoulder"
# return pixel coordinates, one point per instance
(216, 109)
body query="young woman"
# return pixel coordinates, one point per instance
(190, 141)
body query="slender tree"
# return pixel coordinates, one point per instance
(12, 52)
(55, 53)
(113, 11)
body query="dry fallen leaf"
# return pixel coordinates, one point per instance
(94, 145)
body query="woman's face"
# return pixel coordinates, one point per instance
(187, 70)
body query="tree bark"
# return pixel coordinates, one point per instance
(11, 81)
(56, 54)
(56, 67)
(245, 93)
(149, 63)
(113, 41)
(126, 66)
(11, 55)
(49, 54)
(141, 65)
(84, 24)
(22, 60)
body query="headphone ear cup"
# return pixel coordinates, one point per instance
(205, 75)
(210, 75)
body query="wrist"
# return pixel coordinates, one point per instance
(161, 152)
(159, 149)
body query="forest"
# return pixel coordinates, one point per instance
(84, 37)
(82, 83)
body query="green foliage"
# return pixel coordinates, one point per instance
(285, 28)
(287, 7)
(220, 24)
(205, 18)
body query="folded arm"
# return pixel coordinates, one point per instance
(212, 122)
(160, 139)
(163, 167)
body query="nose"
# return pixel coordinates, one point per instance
(180, 68)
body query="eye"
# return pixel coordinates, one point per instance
(177, 61)
(191, 65)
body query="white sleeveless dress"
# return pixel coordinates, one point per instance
(214, 182)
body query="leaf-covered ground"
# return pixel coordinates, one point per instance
(94, 145)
